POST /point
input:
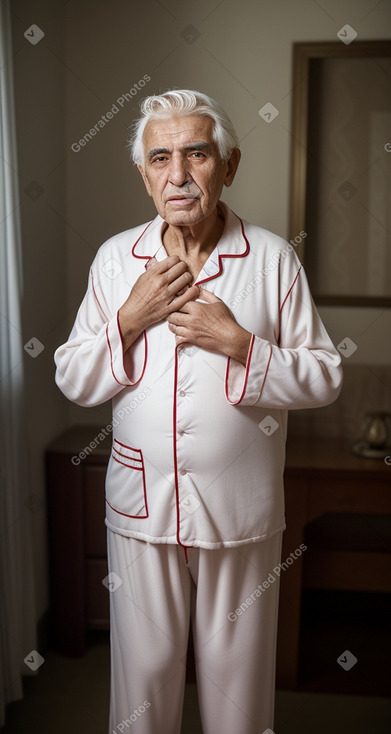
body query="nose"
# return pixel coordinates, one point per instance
(179, 174)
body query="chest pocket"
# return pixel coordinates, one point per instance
(125, 487)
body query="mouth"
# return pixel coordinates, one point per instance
(182, 198)
(183, 201)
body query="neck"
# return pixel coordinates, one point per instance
(195, 241)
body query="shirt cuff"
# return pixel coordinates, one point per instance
(244, 383)
(127, 368)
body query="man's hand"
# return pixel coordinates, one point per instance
(211, 326)
(154, 296)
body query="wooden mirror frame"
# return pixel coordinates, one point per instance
(303, 53)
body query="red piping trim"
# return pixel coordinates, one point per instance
(126, 446)
(250, 351)
(129, 466)
(96, 297)
(266, 371)
(278, 337)
(134, 468)
(111, 358)
(290, 289)
(220, 256)
(142, 257)
(174, 414)
(145, 356)
(119, 329)
(126, 456)
(138, 517)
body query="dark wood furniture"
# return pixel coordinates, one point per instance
(77, 536)
(322, 476)
(326, 484)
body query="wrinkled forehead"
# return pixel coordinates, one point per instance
(176, 132)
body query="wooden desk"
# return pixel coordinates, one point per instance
(322, 475)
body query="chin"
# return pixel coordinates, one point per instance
(183, 219)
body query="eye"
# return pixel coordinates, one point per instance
(198, 154)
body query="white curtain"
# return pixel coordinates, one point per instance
(17, 605)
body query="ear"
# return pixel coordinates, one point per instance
(145, 179)
(232, 166)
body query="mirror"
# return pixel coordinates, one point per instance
(341, 170)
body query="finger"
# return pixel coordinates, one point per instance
(151, 262)
(190, 294)
(208, 296)
(181, 340)
(176, 319)
(176, 271)
(163, 265)
(180, 283)
(179, 331)
(188, 308)
(191, 307)
(182, 290)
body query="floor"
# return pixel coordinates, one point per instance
(70, 695)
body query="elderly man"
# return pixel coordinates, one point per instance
(194, 493)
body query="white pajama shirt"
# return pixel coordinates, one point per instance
(199, 461)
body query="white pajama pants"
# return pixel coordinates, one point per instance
(234, 630)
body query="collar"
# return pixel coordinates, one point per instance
(232, 243)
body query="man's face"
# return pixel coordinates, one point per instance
(182, 168)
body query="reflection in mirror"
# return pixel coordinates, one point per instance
(342, 114)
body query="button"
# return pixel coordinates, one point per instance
(182, 394)
(183, 472)
(180, 432)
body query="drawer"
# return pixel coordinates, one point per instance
(94, 511)
(348, 495)
(97, 597)
(346, 571)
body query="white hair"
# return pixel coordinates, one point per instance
(178, 103)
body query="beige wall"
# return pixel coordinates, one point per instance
(92, 53)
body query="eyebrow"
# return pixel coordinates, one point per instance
(201, 146)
